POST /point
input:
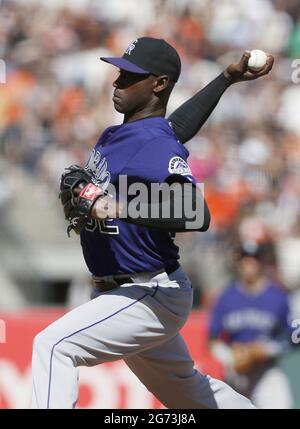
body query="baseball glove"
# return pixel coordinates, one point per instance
(246, 356)
(78, 195)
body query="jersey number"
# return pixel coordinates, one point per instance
(103, 226)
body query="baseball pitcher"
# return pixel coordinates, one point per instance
(142, 297)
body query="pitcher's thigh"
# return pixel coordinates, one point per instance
(168, 372)
(103, 329)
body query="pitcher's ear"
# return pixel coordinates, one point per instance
(160, 83)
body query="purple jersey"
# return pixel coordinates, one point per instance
(145, 151)
(242, 317)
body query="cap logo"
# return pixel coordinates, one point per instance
(131, 47)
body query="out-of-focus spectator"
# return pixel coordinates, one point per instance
(250, 328)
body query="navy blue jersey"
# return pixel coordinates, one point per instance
(145, 151)
(239, 316)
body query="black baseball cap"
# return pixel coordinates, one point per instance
(148, 55)
(250, 249)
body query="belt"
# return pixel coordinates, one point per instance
(111, 282)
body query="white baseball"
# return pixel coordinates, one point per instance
(257, 60)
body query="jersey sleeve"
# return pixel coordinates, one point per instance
(160, 160)
(216, 325)
(281, 341)
(285, 317)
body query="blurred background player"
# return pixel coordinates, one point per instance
(250, 329)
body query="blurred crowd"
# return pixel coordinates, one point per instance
(57, 101)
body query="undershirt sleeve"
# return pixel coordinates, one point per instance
(188, 119)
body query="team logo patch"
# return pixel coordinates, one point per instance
(178, 165)
(131, 47)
